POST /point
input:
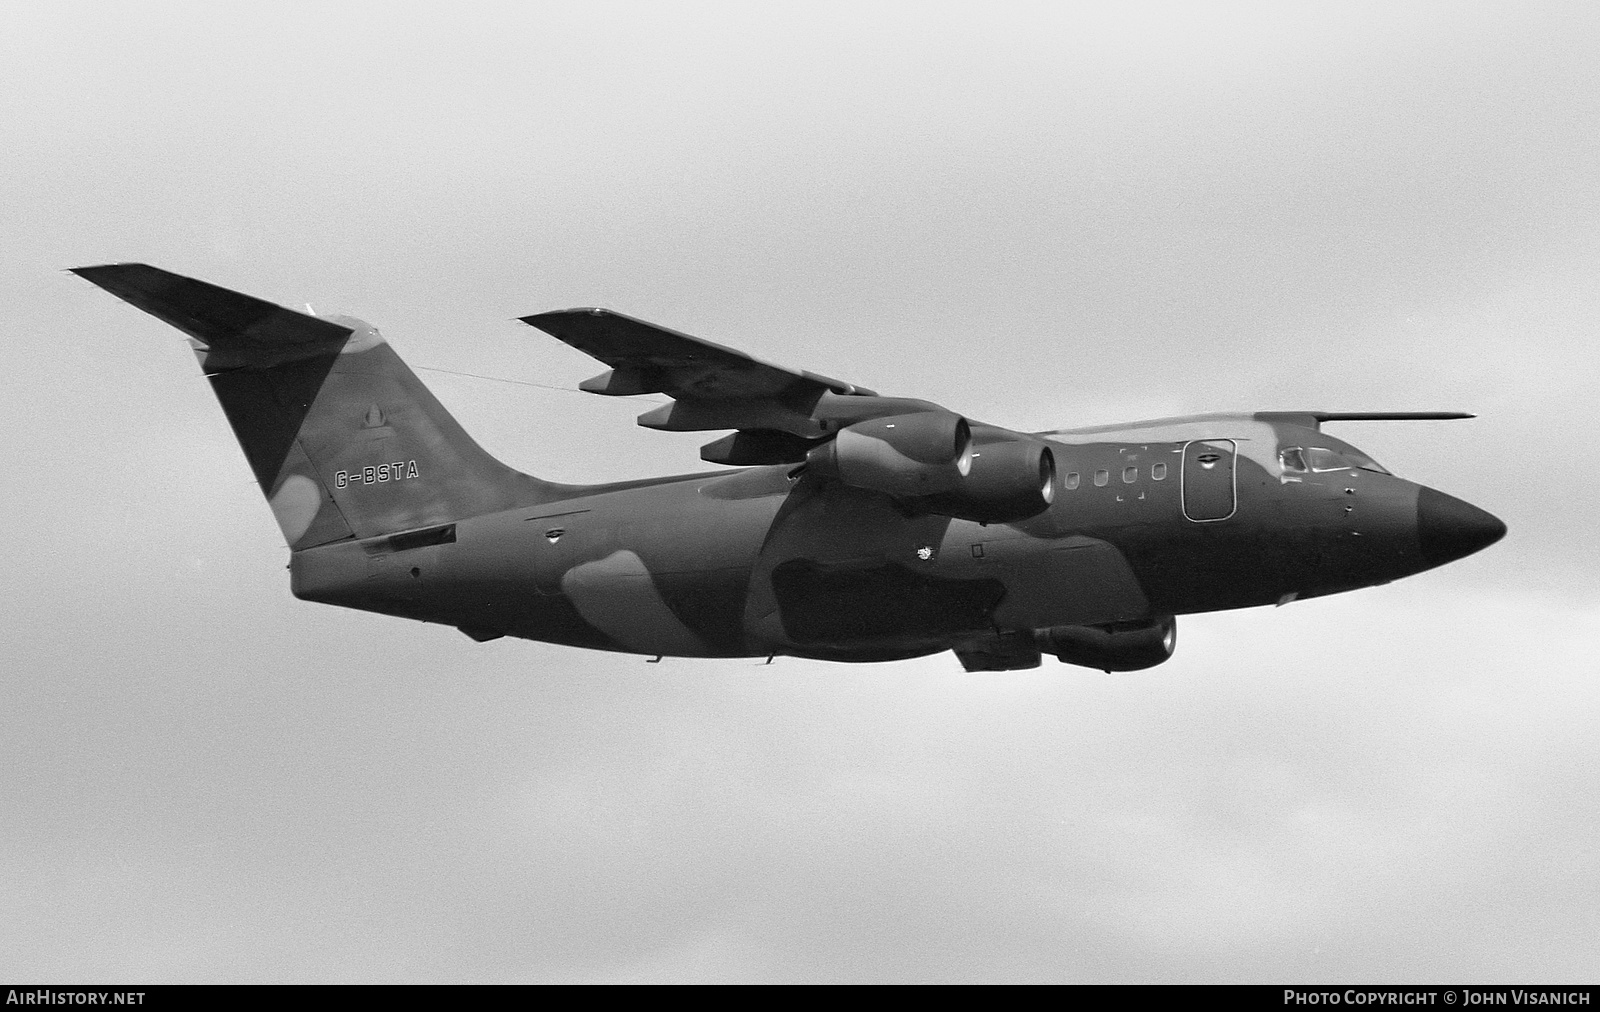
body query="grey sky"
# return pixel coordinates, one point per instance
(1039, 215)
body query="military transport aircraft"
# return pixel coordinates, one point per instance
(852, 526)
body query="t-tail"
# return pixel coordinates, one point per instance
(343, 438)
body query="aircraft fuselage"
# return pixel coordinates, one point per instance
(1155, 519)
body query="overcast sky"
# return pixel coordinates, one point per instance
(1038, 215)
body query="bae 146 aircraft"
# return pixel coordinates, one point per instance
(847, 526)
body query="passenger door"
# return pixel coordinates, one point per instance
(1209, 480)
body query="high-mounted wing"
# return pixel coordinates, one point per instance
(647, 359)
(779, 413)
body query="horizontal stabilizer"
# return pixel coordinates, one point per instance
(344, 440)
(1390, 416)
(234, 330)
(1314, 419)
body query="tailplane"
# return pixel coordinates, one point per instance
(343, 438)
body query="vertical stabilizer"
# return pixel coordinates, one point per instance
(343, 438)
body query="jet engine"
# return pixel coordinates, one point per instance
(1125, 646)
(1008, 481)
(927, 459)
(904, 455)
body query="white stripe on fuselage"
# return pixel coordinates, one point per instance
(1257, 440)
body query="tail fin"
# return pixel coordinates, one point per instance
(343, 438)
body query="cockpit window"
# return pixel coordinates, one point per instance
(1366, 463)
(1292, 459)
(1323, 459)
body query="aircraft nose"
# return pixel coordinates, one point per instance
(1451, 529)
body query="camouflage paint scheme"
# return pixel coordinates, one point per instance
(388, 506)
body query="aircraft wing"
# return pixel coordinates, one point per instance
(779, 412)
(647, 359)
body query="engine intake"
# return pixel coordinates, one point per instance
(1125, 646)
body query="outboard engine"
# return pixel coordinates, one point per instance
(1124, 646)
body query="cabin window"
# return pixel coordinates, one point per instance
(1158, 472)
(1072, 479)
(1129, 474)
(1101, 477)
(1292, 459)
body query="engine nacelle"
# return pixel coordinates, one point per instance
(1125, 646)
(1008, 481)
(913, 455)
(927, 460)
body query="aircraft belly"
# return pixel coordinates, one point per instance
(845, 573)
(661, 570)
(1067, 581)
(873, 599)
(618, 596)
(710, 602)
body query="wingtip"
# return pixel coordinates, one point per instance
(87, 268)
(575, 311)
(544, 321)
(106, 274)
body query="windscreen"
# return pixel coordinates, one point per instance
(1321, 458)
